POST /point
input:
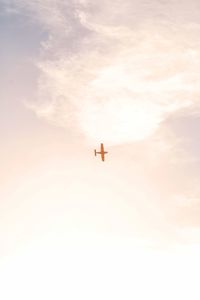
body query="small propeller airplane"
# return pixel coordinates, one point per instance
(102, 152)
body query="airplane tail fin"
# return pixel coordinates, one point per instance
(95, 152)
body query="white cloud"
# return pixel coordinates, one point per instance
(115, 82)
(124, 83)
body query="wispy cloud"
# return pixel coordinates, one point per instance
(116, 82)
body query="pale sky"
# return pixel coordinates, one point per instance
(73, 74)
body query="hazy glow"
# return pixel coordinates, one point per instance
(64, 257)
(76, 73)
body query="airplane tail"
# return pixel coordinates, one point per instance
(95, 152)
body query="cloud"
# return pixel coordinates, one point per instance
(122, 84)
(112, 81)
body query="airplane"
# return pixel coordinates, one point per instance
(102, 152)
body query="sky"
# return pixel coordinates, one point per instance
(73, 74)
